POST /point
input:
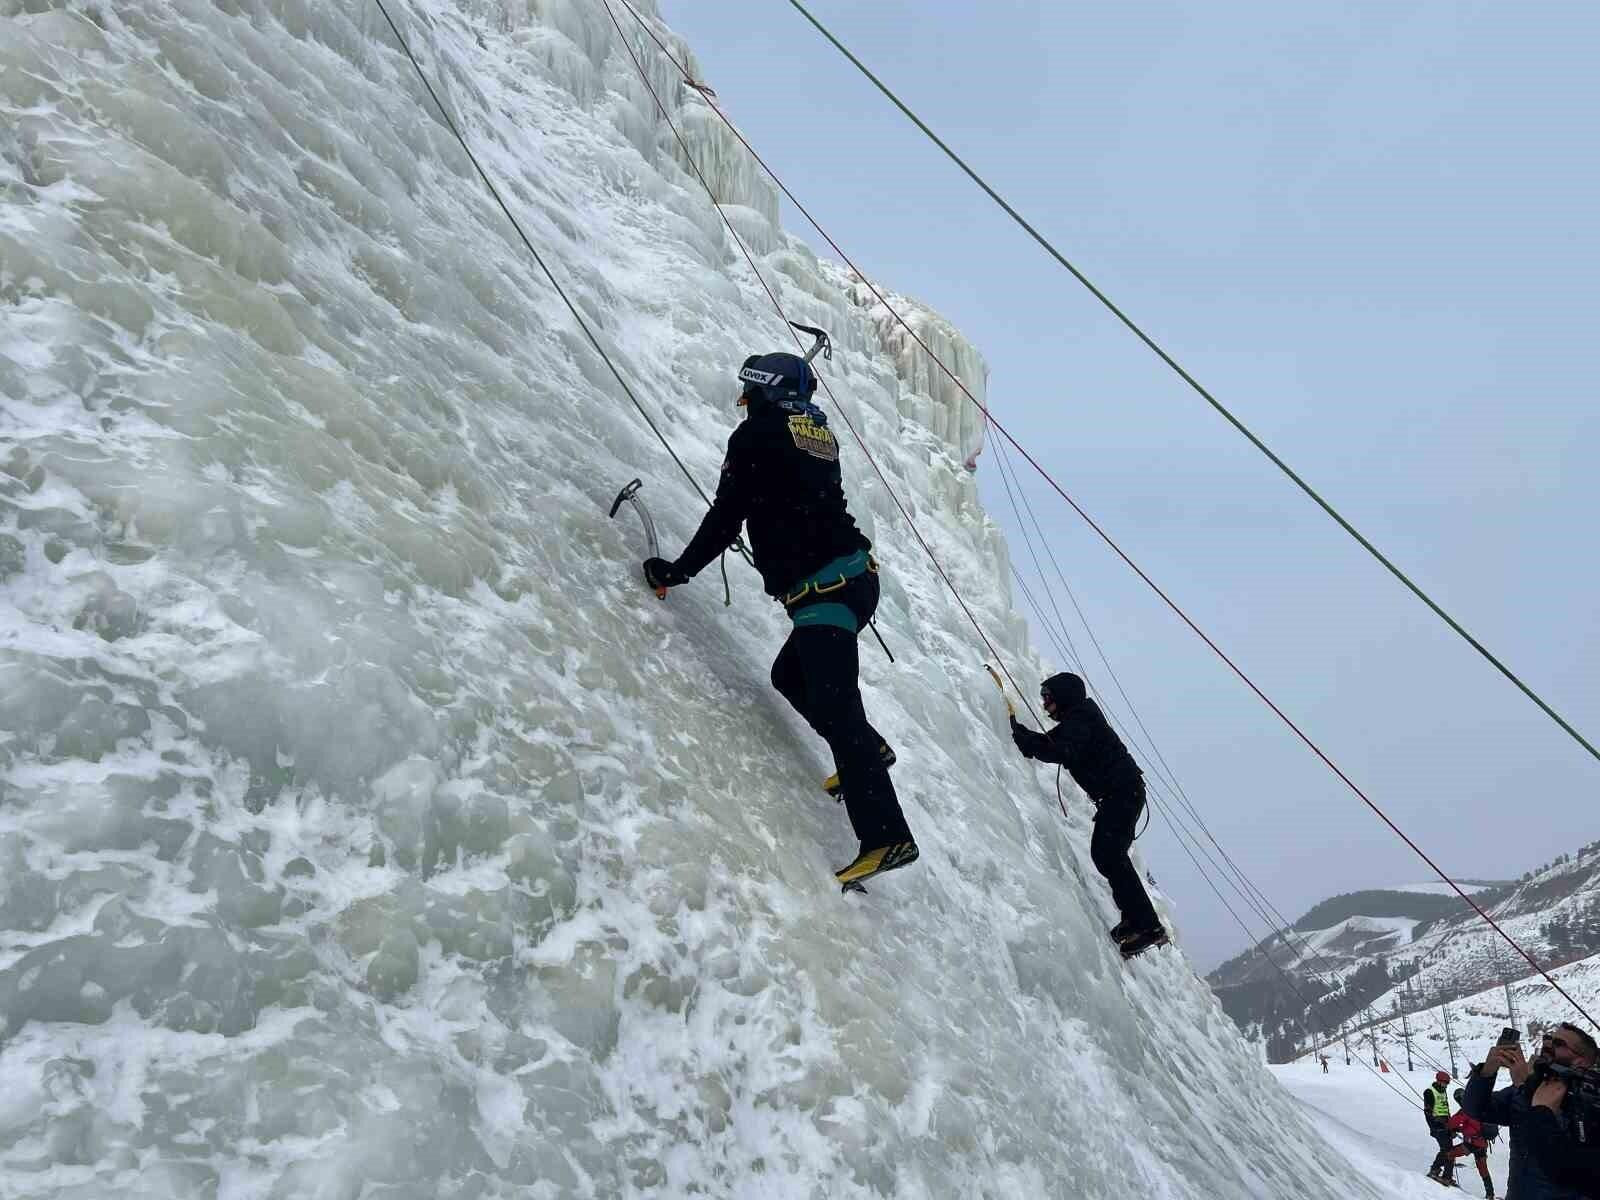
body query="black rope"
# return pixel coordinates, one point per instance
(550, 275)
(873, 625)
(1311, 745)
(1265, 911)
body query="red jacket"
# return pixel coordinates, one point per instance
(1470, 1129)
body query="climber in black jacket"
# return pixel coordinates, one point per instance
(1083, 743)
(781, 481)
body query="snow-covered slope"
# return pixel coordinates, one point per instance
(367, 829)
(1475, 1020)
(1376, 1119)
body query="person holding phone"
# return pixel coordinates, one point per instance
(1535, 1108)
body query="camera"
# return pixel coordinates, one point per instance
(1583, 1098)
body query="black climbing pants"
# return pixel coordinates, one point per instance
(1442, 1161)
(1114, 825)
(817, 672)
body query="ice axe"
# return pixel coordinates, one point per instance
(631, 495)
(823, 342)
(1010, 708)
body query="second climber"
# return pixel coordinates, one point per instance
(1086, 746)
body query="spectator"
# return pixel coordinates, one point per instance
(1549, 1157)
(1436, 1111)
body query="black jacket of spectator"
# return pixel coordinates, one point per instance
(1568, 1162)
(1545, 1158)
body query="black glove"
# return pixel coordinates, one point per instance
(659, 573)
(1019, 735)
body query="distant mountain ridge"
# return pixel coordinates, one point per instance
(1359, 955)
(1381, 902)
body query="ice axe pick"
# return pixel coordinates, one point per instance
(631, 495)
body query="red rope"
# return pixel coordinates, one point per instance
(1105, 537)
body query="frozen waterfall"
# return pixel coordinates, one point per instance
(366, 828)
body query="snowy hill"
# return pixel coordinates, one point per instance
(1475, 1021)
(367, 829)
(1349, 952)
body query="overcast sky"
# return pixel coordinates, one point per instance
(1367, 228)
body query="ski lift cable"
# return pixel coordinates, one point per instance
(778, 305)
(1099, 531)
(543, 266)
(1193, 383)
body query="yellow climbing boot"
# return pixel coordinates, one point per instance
(878, 860)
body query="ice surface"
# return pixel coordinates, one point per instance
(367, 829)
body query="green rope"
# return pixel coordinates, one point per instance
(1195, 384)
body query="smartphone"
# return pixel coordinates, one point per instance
(1509, 1037)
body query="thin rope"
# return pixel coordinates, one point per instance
(1287, 980)
(550, 275)
(778, 306)
(1276, 923)
(1101, 533)
(1201, 391)
(450, 123)
(1184, 836)
(1176, 824)
(1245, 887)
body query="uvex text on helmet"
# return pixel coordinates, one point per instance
(776, 377)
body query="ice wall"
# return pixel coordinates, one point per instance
(367, 830)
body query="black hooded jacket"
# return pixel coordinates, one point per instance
(781, 477)
(1546, 1162)
(1083, 743)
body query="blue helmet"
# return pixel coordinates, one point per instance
(776, 378)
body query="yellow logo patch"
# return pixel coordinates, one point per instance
(814, 439)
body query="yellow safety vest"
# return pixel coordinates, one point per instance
(1440, 1100)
